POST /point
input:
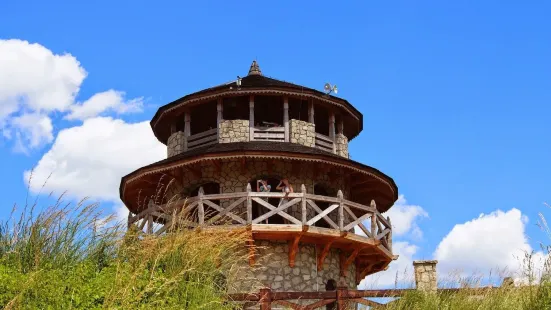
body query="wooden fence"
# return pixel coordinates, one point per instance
(298, 209)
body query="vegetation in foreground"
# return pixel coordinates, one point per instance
(68, 257)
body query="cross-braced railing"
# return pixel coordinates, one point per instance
(296, 209)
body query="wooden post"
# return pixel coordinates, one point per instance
(340, 127)
(374, 220)
(187, 128)
(286, 117)
(340, 196)
(389, 238)
(200, 207)
(265, 299)
(341, 301)
(219, 116)
(150, 224)
(303, 204)
(332, 130)
(249, 205)
(251, 118)
(311, 111)
(172, 128)
(128, 221)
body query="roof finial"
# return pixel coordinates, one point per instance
(255, 69)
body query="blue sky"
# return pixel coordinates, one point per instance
(455, 95)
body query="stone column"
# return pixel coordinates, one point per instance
(286, 117)
(425, 275)
(251, 118)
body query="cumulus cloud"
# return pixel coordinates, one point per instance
(89, 160)
(99, 103)
(400, 271)
(35, 83)
(404, 218)
(491, 242)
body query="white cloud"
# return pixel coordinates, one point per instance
(404, 218)
(110, 100)
(35, 83)
(400, 271)
(491, 242)
(89, 160)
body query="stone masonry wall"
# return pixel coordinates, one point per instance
(302, 132)
(233, 131)
(175, 144)
(341, 145)
(425, 275)
(272, 269)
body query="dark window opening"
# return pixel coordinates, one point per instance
(298, 109)
(331, 285)
(321, 119)
(268, 111)
(203, 117)
(259, 210)
(235, 108)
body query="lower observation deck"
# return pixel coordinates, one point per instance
(296, 219)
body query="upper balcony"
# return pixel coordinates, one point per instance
(276, 119)
(257, 108)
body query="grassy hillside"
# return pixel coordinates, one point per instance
(68, 257)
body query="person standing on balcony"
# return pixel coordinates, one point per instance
(263, 187)
(286, 188)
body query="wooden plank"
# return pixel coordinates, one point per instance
(322, 198)
(227, 209)
(358, 221)
(201, 141)
(303, 204)
(205, 144)
(249, 204)
(322, 214)
(279, 210)
(203, 134)
(225, 196)
(324, 144)
(275, 195)
(219, 209)
(269, 129)
(318, 210)
(323, 137)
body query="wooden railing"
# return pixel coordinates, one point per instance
(276, 134)
(324, 142)
(297, 209)
(202, 139)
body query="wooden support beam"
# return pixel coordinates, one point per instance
(323, 254)
(348, 260)
(293, 250)
(251, 118)
(286, 118)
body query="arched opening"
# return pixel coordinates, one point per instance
(208, 189)
(331, 285)
(259, 210)
(323, 190)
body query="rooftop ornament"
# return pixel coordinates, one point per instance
(255, 69)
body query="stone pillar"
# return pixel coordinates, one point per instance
(425, 275)
(251, 118)
(286, 117)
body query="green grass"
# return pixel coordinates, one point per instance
(67, 256)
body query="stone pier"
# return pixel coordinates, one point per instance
(425, 275)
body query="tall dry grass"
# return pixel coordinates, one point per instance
(74, 256)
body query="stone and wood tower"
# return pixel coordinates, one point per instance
(330, 231)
